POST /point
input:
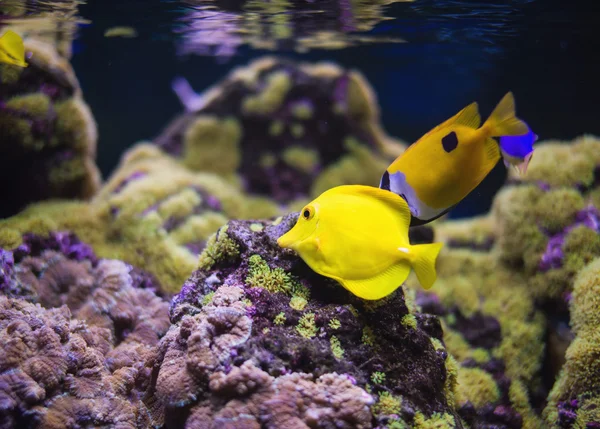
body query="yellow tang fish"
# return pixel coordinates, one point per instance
(12, 50)
(446, 164)
(358, 235)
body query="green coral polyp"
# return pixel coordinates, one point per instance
(307, 326)
(436, 421)
(298, 302)
(378, 377)
(556, 209)
(410, 321)
(336, 347)
(279, 319)
(387, 404)
(368, 336)
(334, 324)
(276, 280)
(219, 247)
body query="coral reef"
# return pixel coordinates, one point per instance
(506, 285)
(151, 213)
(77, 357)
(285, 130)
(493, 330)
(259, 338)
(48, 133)
(549, 221)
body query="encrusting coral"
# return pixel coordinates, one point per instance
(259, 338)
(285, 130)
(48, 133)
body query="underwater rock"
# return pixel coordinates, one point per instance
(259, 340)
(285, 130)
(83, 358)
(48, 133)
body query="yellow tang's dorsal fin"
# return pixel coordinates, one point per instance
(380, 285)
(395, 201)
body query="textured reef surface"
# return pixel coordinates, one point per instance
(163, 301)
(285, 130)
(49, 135)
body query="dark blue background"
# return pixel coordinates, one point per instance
(545, 51)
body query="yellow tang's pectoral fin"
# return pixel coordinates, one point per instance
(12, 49)
(381, 285)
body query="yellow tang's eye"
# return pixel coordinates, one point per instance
(308, 213)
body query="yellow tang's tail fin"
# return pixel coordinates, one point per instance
(423, 262)
(503, 122)
(12, 49)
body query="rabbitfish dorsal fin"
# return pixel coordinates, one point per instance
(394, 201)
(468, 117)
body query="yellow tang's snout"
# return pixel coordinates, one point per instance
(304, 228)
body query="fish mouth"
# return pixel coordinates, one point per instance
(295, 237)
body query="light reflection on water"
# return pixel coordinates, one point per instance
(55, 22)
(214, 28)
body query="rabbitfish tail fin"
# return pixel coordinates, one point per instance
(12, 44)
(503, 122)
(425, 256)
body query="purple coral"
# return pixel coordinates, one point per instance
(64, 242)
(554, 255)
(7, 263)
